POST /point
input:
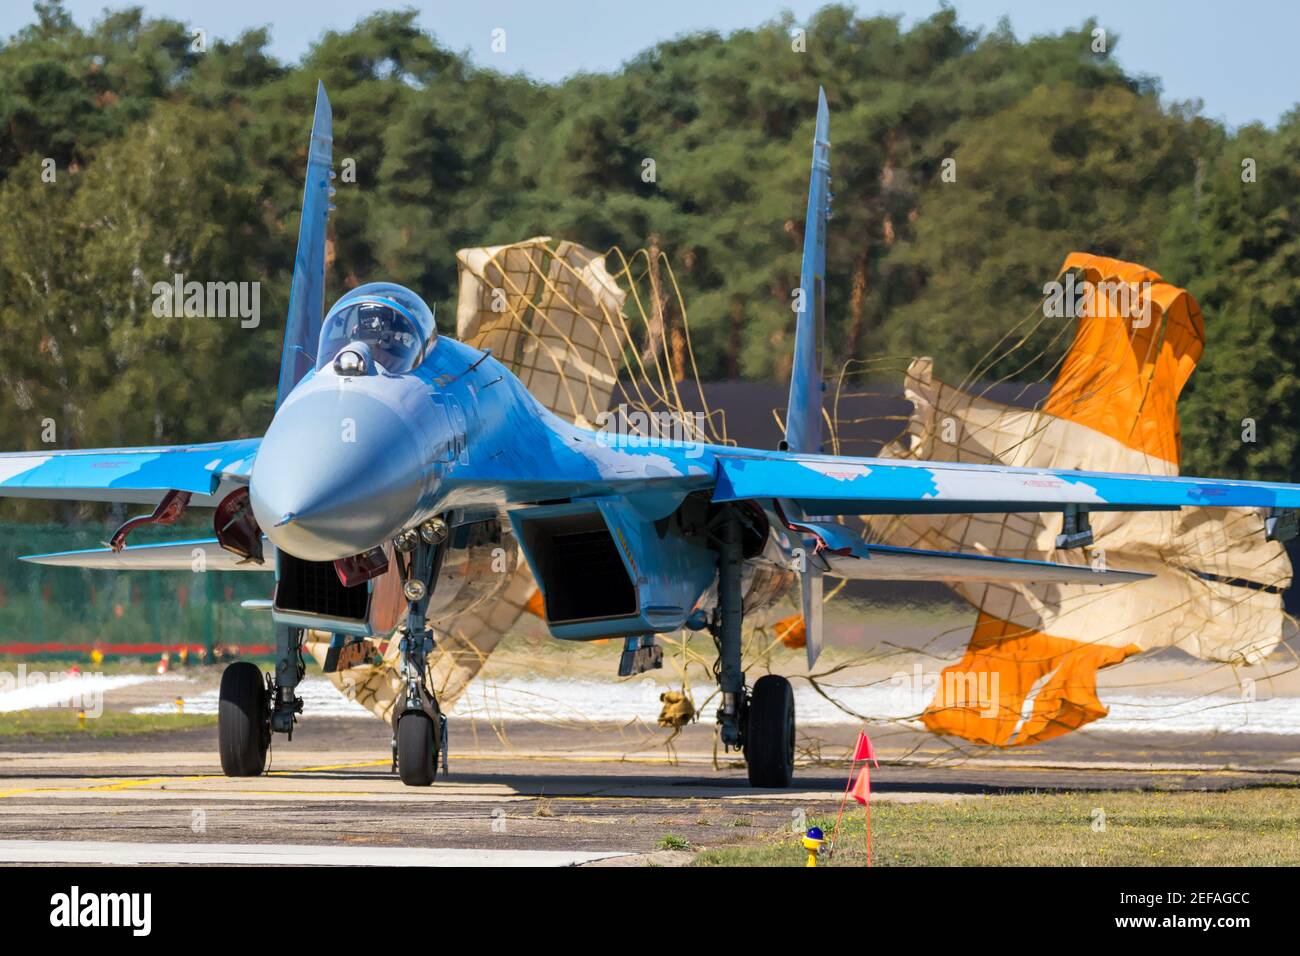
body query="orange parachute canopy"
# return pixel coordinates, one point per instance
(1029, 671)
(1124, 373)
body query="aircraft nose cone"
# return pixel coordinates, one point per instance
(338, 473)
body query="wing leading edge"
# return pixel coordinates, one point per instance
(830, 485)
(203, 554)
(129, 475)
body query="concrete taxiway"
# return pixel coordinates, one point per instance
(520, 795)
(82, 852)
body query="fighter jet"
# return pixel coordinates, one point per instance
(393, 447)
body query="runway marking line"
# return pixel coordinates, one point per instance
(128, 783)
(124, 784)
(322, 769)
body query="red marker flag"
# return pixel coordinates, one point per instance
(864, 749)
(860, 788)
(861, 791)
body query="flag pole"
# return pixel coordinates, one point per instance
(843, 800)
(861, 789)
(862, 749)
(867, 769)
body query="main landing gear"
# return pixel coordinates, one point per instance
(760, 723)
(251, 707)
(244, 720)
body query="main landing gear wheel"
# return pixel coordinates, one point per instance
(417, 749)
(243, 720)
(769, 737)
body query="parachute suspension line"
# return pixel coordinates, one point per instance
(1030, 436)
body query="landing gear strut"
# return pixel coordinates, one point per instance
(761, 723)
(289, 669)
(418, 724)
(726, 632)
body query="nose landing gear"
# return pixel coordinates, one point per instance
(419, 728)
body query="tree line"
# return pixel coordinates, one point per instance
(965, 164)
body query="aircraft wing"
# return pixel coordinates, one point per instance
(832, 485)
(889, 563)
(204, 554)
(128, 475)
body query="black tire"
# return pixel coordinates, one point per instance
(417, 749)
(769, 737)
(243, 724)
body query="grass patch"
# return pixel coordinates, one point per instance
(671, 841)
(1248, 827)
(62, 723)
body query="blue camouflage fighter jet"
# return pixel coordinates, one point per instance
(390, 439)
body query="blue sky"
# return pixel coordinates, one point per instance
(1238, 58)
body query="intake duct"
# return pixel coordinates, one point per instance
(579, 568)
(313, 588)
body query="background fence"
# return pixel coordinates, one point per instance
(69, 612)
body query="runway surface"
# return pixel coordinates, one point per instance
(80, 852)
(522, 795)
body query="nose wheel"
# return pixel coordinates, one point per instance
(418, 744)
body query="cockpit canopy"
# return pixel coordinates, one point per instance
(391, 319)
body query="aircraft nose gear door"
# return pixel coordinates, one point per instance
(419, 729)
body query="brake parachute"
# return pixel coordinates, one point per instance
(1217, 589)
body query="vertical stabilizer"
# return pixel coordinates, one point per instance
(803, 423)
(307, 294)
(803, 419)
